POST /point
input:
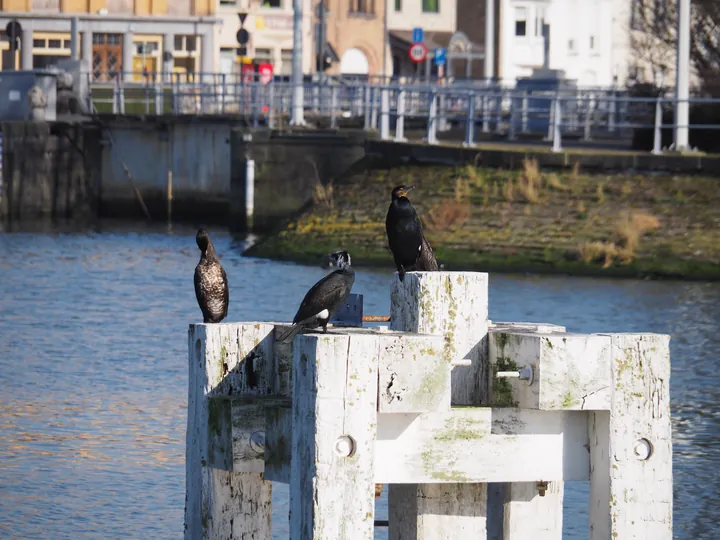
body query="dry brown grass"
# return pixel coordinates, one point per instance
(508, 190)
(553, 182)
(323, 195)
(462, 189)
(631, 227)
(473, 176)
(530, 181)
(574, 175)
(598, 252)
(600, 193)
(447, 215)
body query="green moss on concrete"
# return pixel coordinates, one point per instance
(502, 229)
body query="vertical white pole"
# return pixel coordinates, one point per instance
(297, 118)
(489, 39)
(682, 84)
(249, 192)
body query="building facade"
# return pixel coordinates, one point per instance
(437, 18)
(595, 42)
(269, 24)
(354, 36)
(118, 38)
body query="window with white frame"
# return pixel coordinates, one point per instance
(521, 20)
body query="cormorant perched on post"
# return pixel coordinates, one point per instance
(211, 284)
(324, 298)
(408, 244)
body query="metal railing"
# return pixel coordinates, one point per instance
(461, 110)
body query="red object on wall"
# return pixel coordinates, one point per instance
(248, 72)
(266, 73)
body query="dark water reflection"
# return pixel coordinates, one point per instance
(93, 375)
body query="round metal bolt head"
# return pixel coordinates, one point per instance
(345, 446)
(257, 442)
(643, 449)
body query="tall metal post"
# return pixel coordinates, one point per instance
(74, 38)
(489, 39)
(297, 118)
(682, 83)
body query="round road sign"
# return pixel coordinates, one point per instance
(418, 52)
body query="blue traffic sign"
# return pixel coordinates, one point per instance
(417, 35)
(440, 56)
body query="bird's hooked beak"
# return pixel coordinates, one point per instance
(407, 190)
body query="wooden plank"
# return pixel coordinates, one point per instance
(475, 445)
(454, 305)
(570, 371)
(414, 375)
(631, 488)
(334, 410)
(225, 359)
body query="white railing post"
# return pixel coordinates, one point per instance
(385, 114)
(470, 121)
(486, 114)
(557, 119)
(431, 137)
(366, 107)
(525, 112)
(657, 134)
(400, 116)
(333, 107)
(612, 112)
(511, 125)
(587, 136)
(374, 108)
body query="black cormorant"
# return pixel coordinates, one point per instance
(408, 244)
(324, 298)
(211, 284)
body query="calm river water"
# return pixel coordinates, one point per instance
(93, 373)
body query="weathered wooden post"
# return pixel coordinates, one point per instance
(226, 360)
(454, 305)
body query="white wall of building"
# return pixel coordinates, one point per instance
(583, 35)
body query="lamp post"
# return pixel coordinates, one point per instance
(682, 81)
(297, 118)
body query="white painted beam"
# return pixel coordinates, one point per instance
(479, 445)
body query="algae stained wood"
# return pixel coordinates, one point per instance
(225, 359)
(454, 305)
(332, 494)
(571, 371)
(475, 445)
(631, 488)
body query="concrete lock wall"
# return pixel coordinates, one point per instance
(289, 167)
(49, 169)
(197, 154)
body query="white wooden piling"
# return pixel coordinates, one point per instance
(225, 359)
(454, 305)
(631, 493)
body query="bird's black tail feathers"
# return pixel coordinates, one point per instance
(287, 335)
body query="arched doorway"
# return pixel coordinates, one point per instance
(354, 62)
